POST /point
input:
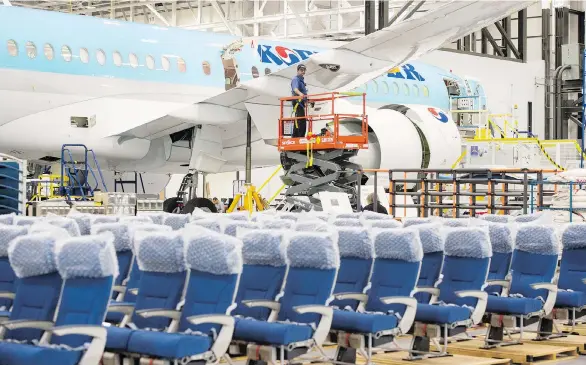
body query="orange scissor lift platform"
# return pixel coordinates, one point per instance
(321, 162)
(332, 140)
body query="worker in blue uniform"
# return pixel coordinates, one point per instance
(298, 89)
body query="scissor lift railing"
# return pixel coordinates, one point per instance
(329, 169)
(335, 140)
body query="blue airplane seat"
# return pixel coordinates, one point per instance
(501, 239)
(496, 218)
(276, 224)
(432, 242)
(303, 318)
(230, 227)
(88, 268)
(458, 301)
(208, 223)
(24, 221)
(356, 246)
(408, 222)
(368, 215)
(389, 309)
(66, 223)
(346, 222)
(383, 223)
(7, 219)
(532, 292)
(176, 221)
(130, 284)
(311, 226)
(204, 327)
(84, 221)
(265, 267)
(8, 280)
(571, 297)
(160, 257)
(33, 259)
(455, 222)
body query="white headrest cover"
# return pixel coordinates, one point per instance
(87, 257)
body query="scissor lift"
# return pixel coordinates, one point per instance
(321, 161)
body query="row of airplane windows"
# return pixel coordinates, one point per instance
(383, 87)
(84, 57)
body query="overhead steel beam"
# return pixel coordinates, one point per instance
(414, 10)
(510, 46)
(546, 56)
(157, 14)
(497, 49)
(298, 18)
(483, 43)
(220, 12)
(522, 34)
(400, 12)
(505, 25)
(6, 2)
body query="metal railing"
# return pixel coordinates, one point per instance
(459, 192)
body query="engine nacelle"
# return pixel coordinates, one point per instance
(406, 137)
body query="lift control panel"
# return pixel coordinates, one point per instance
(328, 134)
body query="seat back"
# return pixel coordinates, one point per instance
(264, 254)
(501, 239)
(229, 226)
(7, 218)
(383, 223)
(356, 248)
(495, 218)
(161, 260)
(209, 223)
(408, 222)
(88, 267)
(534, 259)
(176, 221)
(466, 262)
(122, 245)
(135, 272)
(341, 222)
(275, 223)
(68, 224)
(396, 267)
(573, 264)
(8, 281)
(33, 260)
(314, 260)
(311, 226)
(215, 264)
(432, 243)
(455, 222)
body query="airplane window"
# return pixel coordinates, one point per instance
(31, 50)
(406, 89)
(12, 48)
(117, 58)
(267, 71)
(385, 87)
(84, 55)
(395, 88)
(374, 86)
(181, 65)
(207, 69)
(165, 62)
(66, 53)
(255, 72)
(133, 60)
(150, 62)
(425, 91)
(49, 52)
(415, 91)
(101, 57)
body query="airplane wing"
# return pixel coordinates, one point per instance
(347, 66)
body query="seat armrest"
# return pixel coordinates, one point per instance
(503, 283)
(270, 304)
(362, 298)
(7, 295)
(325, 323)
(435, 292)
(409, 316)
(121, 308)
(224, 337)
(133, 291)
(480, 308)
(25, 323)
(96, 347)
(551, 296)
(584, 280)
(119, 288)
(169, 313)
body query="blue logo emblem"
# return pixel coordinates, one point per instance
(438, 114)
(406, 71)
(282, 55)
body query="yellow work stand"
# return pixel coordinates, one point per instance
(251, 199)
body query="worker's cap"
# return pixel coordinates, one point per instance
(301, 66)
